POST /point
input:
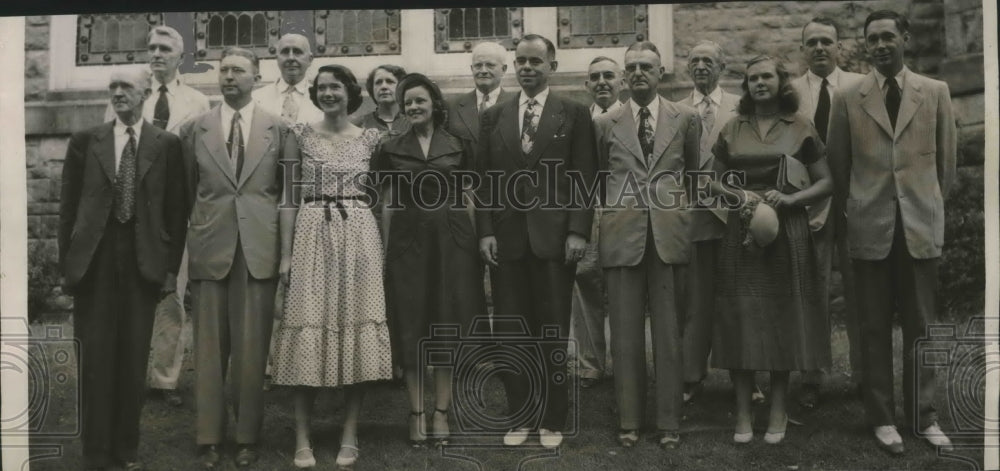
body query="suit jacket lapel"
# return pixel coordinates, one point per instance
(507, 122)
(666, 129)
(873, 103)
(146, 152)
(440, 145)
(104, 150)
(910, 100)
(257, 142)
(468, 112)
(215, 142)
(407, 145)
(626, 132)
(551, 121)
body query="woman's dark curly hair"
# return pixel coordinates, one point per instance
(395, 70)
(788, 100)
(440, 113)
(344, 76)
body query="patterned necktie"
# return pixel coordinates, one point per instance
(892, 99)
(161, 112)
(707, 121)
(484, 104)
(529, 126)
(645, 134)
(235, 144)
(290, 108)
(125, 180)
(822, 116)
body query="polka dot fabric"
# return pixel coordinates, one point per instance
(334, 331)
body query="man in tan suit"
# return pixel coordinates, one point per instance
(647, 147)
(171, 104)
(892, 147)
(233, 155)
(824, 78)
(715, 108)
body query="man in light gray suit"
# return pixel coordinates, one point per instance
(715, 108)
(647, 147)
(892, 145)
(821, 47)
(233, 157)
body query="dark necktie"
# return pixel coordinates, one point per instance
(822, 116)
(604, 110)
(529, 126)
(235, 144)
(892, 99)
(645, 134)
(125, 180)
(161, 113)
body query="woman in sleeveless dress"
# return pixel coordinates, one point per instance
(334, 332)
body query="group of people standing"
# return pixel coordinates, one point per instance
(715, 219)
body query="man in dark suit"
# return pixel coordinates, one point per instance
(536, 236)
(171, 104)
(232, 155)
(121, 235)
(488, 66)
(824, 78)
(892, 148)
(647, 146)
(489, 63)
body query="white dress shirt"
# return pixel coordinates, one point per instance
(522, 105)
(596, 111)
(246, 118)
(271, 98)
(121, 138)
(654, 110)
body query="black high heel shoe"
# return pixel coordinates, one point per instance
(417, 428)
(441, 439)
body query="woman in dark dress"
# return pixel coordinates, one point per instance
(433, 272)
(769, 314)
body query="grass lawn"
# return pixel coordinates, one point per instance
(830, 438)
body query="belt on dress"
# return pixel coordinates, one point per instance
(335, 201)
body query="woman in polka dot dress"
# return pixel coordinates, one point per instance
(334, 332)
